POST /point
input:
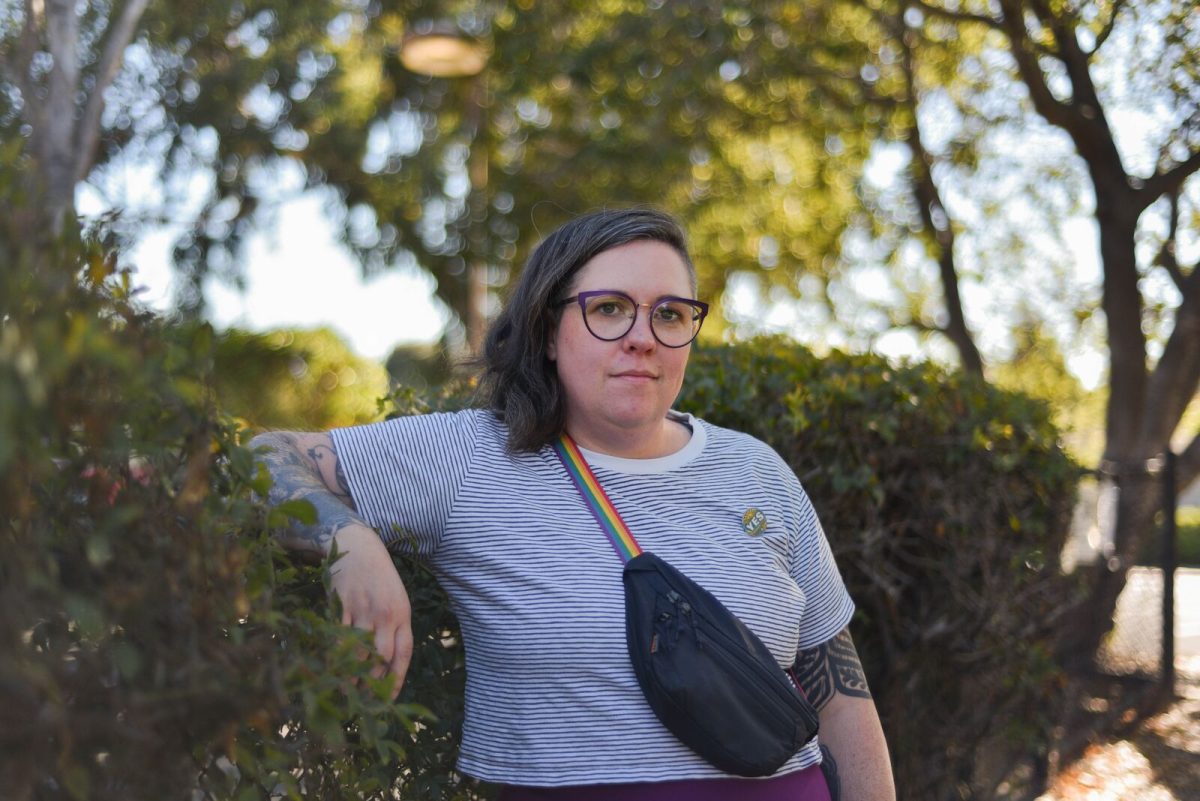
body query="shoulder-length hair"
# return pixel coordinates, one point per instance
(519, 382)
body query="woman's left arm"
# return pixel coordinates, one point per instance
(832, 677)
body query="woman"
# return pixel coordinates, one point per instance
(594, 342)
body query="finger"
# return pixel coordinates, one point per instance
(362, 652)
(384, 642)
(401, 657)
(347, 617)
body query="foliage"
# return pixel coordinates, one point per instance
(422, 368)
(1037, 368)
(947, 504)
(295, 379)
(1188, 545)
(155, 643)
(249, 103)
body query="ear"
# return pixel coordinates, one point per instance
(551, 345)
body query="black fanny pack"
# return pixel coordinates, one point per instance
(707, 677)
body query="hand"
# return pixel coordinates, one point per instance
(374, 599)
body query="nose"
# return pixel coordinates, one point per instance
(640, 337)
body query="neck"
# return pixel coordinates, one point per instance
(665, 437)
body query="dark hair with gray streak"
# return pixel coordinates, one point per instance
(519, 382)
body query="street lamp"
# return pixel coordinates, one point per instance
(442, 50)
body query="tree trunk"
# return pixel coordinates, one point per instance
(1138, 500)
(53, 144)
(1127, 452)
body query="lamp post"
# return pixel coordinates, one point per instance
(444, 51)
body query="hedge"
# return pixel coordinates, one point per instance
(154, 642)
(947, 504)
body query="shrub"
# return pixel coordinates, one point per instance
(154, 642)
(295, 379)
(947, 504)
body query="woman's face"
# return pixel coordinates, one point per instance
(618, 393)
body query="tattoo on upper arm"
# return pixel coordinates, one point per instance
(832, 667)
(330, 467)
(313, 475)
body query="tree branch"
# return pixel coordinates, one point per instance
(958, 16)
(62, 39)
(1044, 101)
(1107, 30)
(1047, 20)
(27, 47)
(929, 200)
(1166, 254)
(116, 39)
(1073, 57)
(1165, 182)
(1174, 380)
(1187, 465)
(54, 141)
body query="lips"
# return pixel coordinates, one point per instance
(642, 374)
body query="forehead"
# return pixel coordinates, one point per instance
(646, 266)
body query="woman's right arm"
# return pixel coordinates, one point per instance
(305, 466)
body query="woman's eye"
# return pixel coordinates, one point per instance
(668, 315)
(608, 308)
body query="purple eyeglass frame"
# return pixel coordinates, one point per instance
(583, 297)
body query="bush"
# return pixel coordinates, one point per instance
(155, 643)
(295, 379)
(947, 504)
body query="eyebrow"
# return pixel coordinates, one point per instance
(630, 294)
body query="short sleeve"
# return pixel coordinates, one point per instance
(404, 474)
(828, 606)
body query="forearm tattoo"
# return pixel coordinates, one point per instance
(314, 475)
(831, 668)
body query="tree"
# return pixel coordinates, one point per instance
(240, 99)
(295, 379)
(1058, 53)
(61, 91)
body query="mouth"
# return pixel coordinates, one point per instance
(641, 375)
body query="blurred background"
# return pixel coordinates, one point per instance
(327, 200)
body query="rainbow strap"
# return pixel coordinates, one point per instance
(593, 495)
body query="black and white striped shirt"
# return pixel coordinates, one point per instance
(551, 697)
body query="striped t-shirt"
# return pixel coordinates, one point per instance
(551, 697)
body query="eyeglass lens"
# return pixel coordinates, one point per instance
(674, 322)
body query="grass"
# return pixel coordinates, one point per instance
(1187, 541)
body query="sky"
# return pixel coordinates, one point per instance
(297, 276)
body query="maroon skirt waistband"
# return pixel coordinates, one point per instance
(802, 785)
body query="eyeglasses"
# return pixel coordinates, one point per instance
(610, 315)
